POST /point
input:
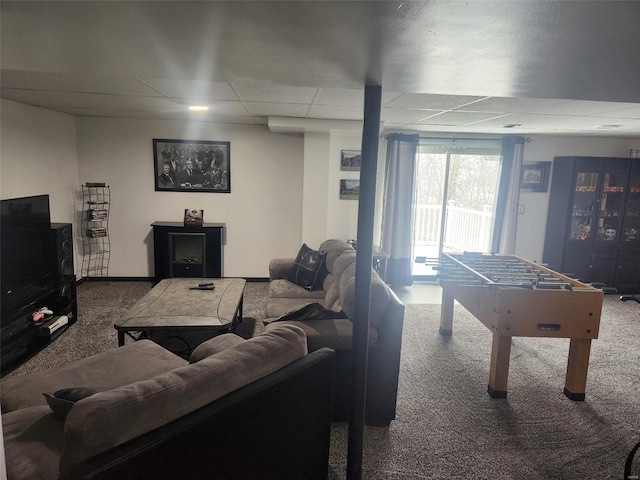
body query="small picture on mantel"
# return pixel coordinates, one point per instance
(193, 217)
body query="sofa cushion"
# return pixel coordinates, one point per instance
(380, 296)
(345, 260)
(33, 439)
(61, 401)
(334, 249)
(285, 289)
(214, 345)
(111, 418)
(308, 268)
(104, 371)
(277, 307)
(308, 311)
(333, 333)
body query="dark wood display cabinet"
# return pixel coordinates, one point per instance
(187, 251)
(593, 222)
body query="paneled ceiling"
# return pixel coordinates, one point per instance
(507, 66)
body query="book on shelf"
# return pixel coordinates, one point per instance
(96, 232)
(95, 184)
(97, 214)
(94, 202)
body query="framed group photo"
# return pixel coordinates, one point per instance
(192, 166)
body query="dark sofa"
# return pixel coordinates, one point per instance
(261, 399)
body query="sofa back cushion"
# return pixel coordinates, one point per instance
(107, 419)
(380, 296)
(334, 249)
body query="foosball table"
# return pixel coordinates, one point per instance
(514, 297)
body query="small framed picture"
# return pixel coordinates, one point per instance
(193, 217)
(349, 189)
(535, 176)
(350, 160)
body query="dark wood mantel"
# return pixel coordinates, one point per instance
(187, 251)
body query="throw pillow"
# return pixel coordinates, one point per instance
(309, 268)
(214, 345)
(62, 400)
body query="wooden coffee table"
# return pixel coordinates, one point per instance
(172, 307)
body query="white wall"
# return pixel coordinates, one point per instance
(262, 213)
(38, 155)
(315, 214)
(543, 148)
(343, 214)
(284, 187)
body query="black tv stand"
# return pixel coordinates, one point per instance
(21, 339)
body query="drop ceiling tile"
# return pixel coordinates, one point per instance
(83, 83)
(543, 121)
(277, 109)
(195, 89)
(458, 117)
(347, 97)
(30, 97)
(336, 112)
(581, 107)
(270, 93)
(633, 112)
(90, 100)
(99, 112)
(31, 81)
(401, 116)
(512, 105)
(222, 107)
(339, 96)
(430, 101)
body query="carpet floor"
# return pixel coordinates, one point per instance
(447, 426)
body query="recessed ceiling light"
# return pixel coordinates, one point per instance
(198, 108)
(511, 125)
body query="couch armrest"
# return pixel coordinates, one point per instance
(280, 268)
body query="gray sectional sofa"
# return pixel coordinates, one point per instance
(236, 410)
(336, 293)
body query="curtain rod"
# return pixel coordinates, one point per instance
(459, 138)
(452, 138)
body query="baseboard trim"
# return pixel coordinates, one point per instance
(148, 279)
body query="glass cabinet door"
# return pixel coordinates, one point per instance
(631, 225)
(584, 206)
(612, 201)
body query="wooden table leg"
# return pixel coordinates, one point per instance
(577, 365)
(499, 368)
(446, 313)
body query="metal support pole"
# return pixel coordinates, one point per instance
(364, 258)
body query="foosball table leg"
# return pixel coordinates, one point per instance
(446, 313)
(577, 365)
(499, 368)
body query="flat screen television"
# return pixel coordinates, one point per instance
(27, 269)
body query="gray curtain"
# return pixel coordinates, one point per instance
(397, 208)
(503, 240)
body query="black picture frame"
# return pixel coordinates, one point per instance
(535, 176)
(349, 189)
(210, 165)
(350, 160)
